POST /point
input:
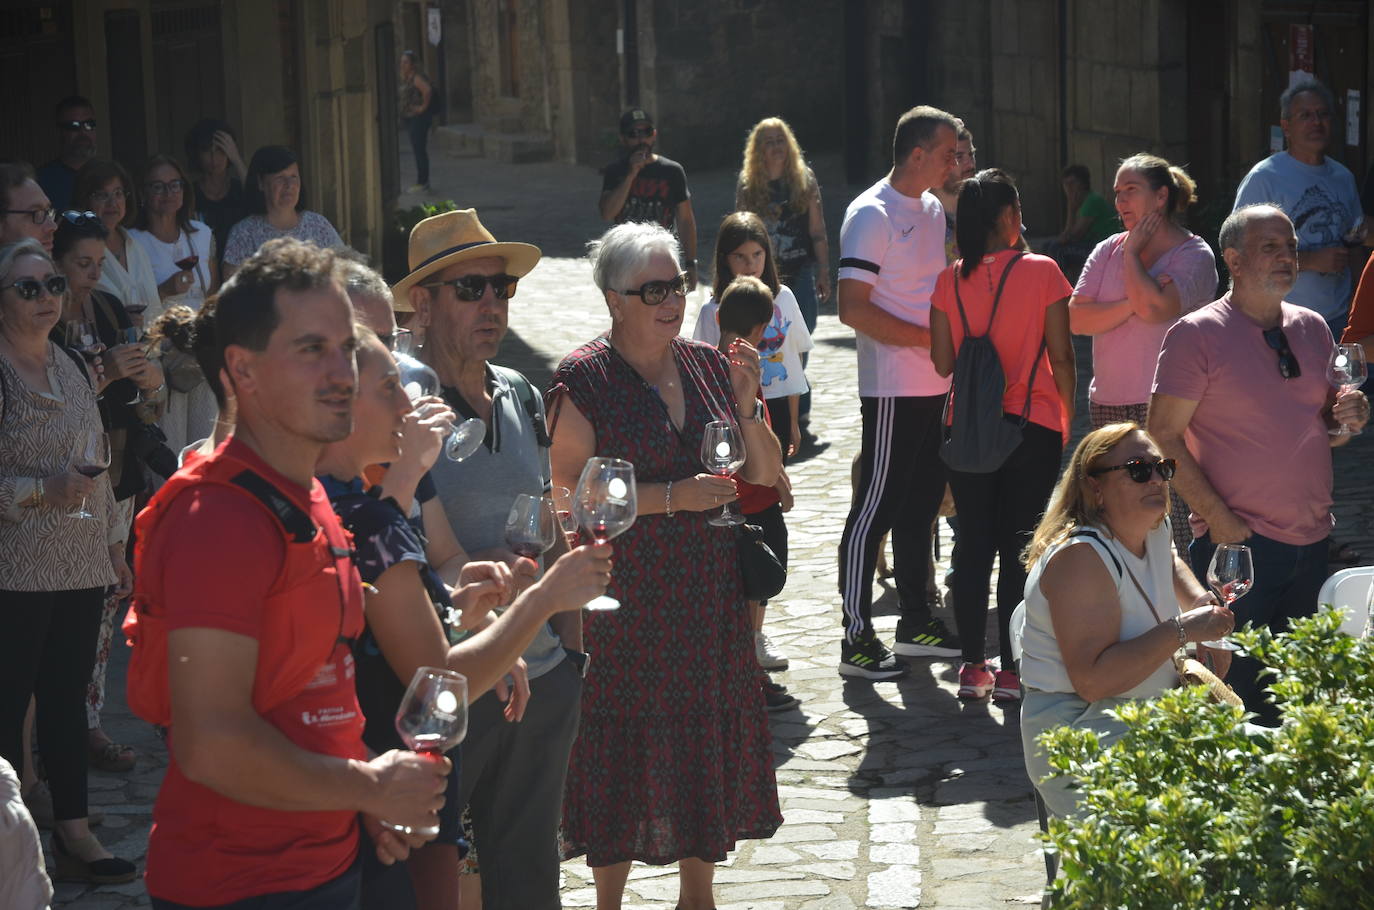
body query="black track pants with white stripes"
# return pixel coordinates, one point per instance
(901, 482)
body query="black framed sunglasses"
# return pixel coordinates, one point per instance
(1288, 364)
(39, 216)
(73, 126)
(1140, 469)
(655, 292)
(643, 132)
(32, 288)
(81, 219)
(471, 287)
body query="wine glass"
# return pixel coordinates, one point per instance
(531, 526)
(82, 338)
(1346, 370)
(1231, 574)
(722, 452)
(562, 507)
(432, 719)
(605, 507)
(404, 342)
(421, 381)
(91, 460)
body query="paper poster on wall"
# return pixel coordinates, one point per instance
(1299, 52)
(1275, 139)
(1352, 117)
(435, 26)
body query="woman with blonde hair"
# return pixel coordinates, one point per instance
(1134, 286)
(776, 184)
(1107, 602)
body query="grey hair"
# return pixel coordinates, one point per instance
(360, 279)
(26, 247)
(625, 250)
(1232, 235)
(1298, 88)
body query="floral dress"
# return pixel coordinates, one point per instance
(673, 758)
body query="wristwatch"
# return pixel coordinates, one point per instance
(758, 411)
(582, 660)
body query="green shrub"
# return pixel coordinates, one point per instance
(406, 219)
(1192, 808)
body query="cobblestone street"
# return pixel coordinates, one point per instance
(894, 794)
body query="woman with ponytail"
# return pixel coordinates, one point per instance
(1020, 302)
(1136, 285)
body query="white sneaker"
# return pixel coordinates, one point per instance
(770, 658)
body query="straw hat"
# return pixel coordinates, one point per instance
(441, 240)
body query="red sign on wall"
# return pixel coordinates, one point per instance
(1300, 48)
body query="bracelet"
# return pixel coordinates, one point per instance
(668, 500)
(35, 499)
(1182, 635)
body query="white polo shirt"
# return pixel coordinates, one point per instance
(897, 244)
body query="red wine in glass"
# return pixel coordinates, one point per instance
(531, 526)
(431, 719)
(91, 471)
(605, 507)
(92, 458)
(188, 262)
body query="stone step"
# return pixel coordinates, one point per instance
(469, 140)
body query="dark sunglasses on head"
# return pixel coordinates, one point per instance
(81, 219)
(472, 287)
(1140, 469)
(655, 292)
(1288, 364)
(643, 132)
(32, 288)
(73, 126)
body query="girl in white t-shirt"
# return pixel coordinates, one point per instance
(743, 248)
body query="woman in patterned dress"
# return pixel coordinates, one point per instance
(673, 761)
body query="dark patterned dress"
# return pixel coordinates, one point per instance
(674, 757)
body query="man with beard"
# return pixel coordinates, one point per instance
(1241, 402)
(75, 146)
(644, 186)
(965, 166)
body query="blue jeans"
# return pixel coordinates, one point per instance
(1288, 580)
(803, 285)
(418, 128)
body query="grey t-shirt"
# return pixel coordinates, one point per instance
(477, 492)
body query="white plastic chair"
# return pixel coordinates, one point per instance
(1350, 590)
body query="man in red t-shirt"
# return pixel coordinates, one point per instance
(268, 771)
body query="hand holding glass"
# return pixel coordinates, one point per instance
(91, 460)
(605, 507)
(1346, 370)
(531, 526)
(466, 437)
(1231, 574)
(432, 719)
(722, 453)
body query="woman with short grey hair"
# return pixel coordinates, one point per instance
(672, 762)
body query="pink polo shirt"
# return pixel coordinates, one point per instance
(1260, 439)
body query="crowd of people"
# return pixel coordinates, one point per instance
(194, 355)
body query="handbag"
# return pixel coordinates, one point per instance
(759, 566)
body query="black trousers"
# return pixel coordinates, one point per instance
(47, 651)
(513, 777)
(418, 128)
(901, 483)
(998, 513)
(780, 418)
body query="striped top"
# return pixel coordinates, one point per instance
(43, 549)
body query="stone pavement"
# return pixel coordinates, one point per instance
(895, 794)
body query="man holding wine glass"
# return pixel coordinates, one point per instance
(245, 573)
(460, 287)
(1242, 402)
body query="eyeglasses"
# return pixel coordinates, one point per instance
(655, 292)
(39, 216)
(32, 288)
(100, 197)
(1140, 469)
(1288, 364)
(81, 219)
(643, 132)
(471, 287)
(76, 126)
(284, 180)
(391, 338)
(158, 188)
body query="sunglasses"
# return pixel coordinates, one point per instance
(471, 287)
(643, 132)
(655, 292)
(1140, 469)
(39, 216)
(32, 288)
(76, 126)
(81, 219)
(158, 188)
(1288, 364)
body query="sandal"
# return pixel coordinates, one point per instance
(1343, 554)
(111, 756)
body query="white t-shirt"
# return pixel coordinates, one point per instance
(897, 244)
(785, 339)
(163, 257)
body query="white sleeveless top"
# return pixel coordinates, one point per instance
(1042, 665)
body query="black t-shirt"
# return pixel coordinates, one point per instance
(790, 230)
(222, 214)
(658, 189)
